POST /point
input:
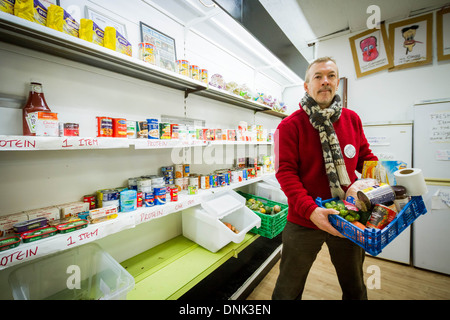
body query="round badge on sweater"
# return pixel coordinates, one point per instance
(349, 151)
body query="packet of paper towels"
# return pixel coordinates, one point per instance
(412, 179)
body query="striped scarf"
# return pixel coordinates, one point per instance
(322, 120)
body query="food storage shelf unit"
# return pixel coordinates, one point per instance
(205, 224)
(271, 224)
(82, 273)
(372, 240)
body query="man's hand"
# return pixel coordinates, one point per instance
(320, 218)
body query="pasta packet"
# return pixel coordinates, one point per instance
(91, 32)
(7, 6)
(60, 20)
(31, 10)
(115, 41)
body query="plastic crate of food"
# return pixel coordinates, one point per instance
(374, 240)
(85, 272)
(271, 224)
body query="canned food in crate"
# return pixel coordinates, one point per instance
(147, 52)
(104, 127)
(153, 128)
(91, 200)
(371, 196)
(183, 67)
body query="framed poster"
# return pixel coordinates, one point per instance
(371, 51)
(443, 34)
(411, 42)
(104, 21)
(165, 55)
(342, 91)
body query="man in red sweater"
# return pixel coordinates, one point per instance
(318, 148)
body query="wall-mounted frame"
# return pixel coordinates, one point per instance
(342, 91)
(166, 54)
(104, 21)
(371, 51)
(411, 42)
(443, 34)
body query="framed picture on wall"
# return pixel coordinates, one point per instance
(443, 34)
(411, 42)
(370, 51)
(104, 21)
(342, 91)
(166, 54)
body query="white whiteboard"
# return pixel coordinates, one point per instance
(390, 141)
(432, 139)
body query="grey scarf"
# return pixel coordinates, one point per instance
(323, 120)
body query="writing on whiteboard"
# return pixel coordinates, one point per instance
(440, 127)
(378, 141)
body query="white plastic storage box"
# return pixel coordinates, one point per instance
(82, 273)
(205, 225)
(269, 190)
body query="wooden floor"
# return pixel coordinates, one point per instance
(397, 282)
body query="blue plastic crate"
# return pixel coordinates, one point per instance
(374, 240)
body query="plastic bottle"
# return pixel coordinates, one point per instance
(36, 102)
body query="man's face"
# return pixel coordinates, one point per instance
(323, 83)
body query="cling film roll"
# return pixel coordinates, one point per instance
(7, 6)
(59, 19)
(31, 10)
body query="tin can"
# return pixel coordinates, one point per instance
(194, 72)
(381, 216)
(132, 183)
(185, 170)
(192, 190)
(244, 174)
(164, 130)
(174, 194)
(148, 198)
(234, 176)
(153, 128)
(185, 183)
(106, 195)
(91, 200)
(175, 130)
(183, 67)
(131, 129)
(204, 182)
(160, 195)
(119, 127)
(193, 180)
(377, 194)
(69, 129)
(142, 130)
(147, 52)
(179, 183)
(179, 171)
(204, 75)
(139, 199)
(104, 127)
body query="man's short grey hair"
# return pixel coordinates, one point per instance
(319, 60)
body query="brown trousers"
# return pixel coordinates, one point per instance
(300, 248)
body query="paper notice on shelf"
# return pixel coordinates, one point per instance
(441, 200)
(379, 140)
(443, 155)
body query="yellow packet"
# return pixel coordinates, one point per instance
(7, 6)
(98, 36)
(59, 19)
(31, 10)
(86, 29)
(109, 41)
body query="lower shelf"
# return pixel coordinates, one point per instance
(169, 270)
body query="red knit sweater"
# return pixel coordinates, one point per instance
(300, 165)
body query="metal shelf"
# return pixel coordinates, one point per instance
(27, 34)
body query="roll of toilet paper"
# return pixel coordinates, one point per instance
(412, 179)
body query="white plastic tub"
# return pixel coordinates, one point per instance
(205, 224)
(82, 273)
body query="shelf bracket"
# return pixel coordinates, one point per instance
(188, 91)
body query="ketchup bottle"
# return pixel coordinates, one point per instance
(36, 102)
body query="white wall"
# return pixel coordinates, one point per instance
(79, 93)
(387, 96)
